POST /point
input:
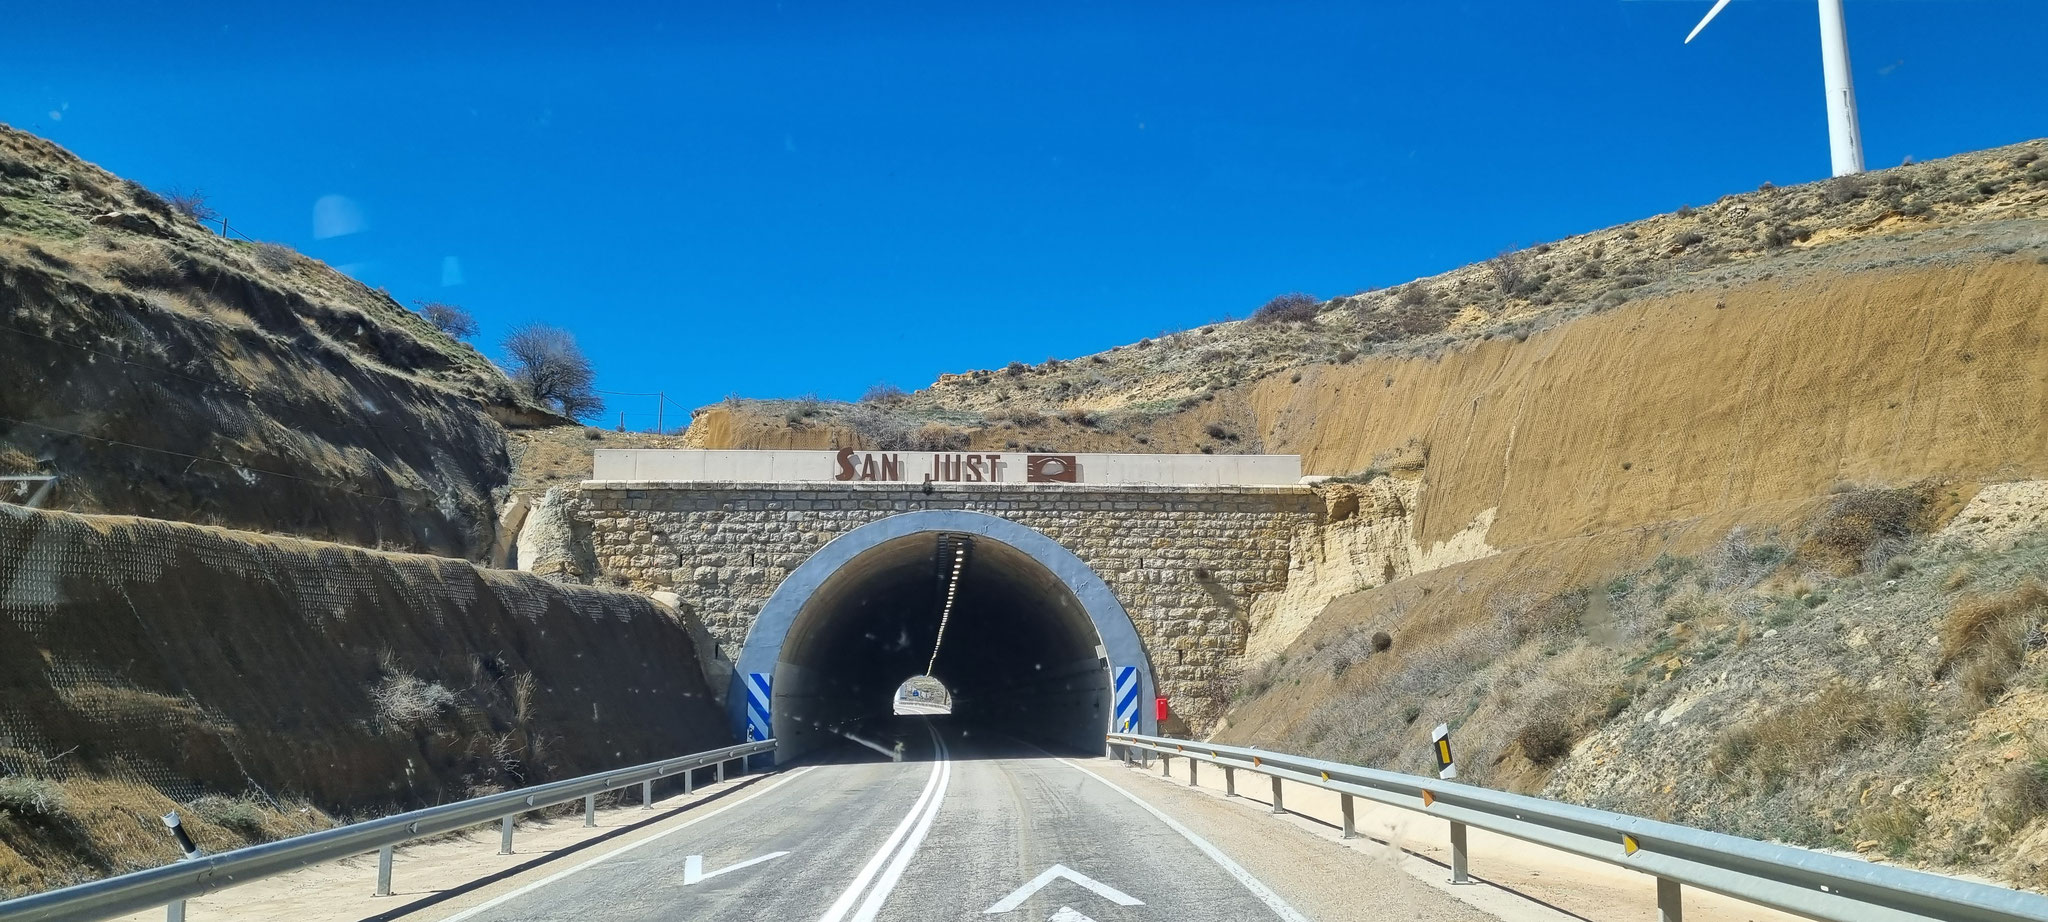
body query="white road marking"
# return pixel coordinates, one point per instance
(873, 904)
(1258, 889)
(1057, 871)
(941, 769)
(1067, 914)
(558, 875)
(693, 867)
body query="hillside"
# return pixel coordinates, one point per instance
(278, 685)
(1162, 392)
(1732, 515)
(160, 369)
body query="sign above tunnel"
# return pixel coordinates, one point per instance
(849, 465)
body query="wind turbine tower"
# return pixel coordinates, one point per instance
(1845, 139)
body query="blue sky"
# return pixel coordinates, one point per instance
(780, 199)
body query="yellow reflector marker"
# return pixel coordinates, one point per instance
(1629, 845)
(1255, 760)
(1427, 797)
(1326, 776)
(1180, 749)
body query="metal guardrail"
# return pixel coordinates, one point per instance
(172, 884)
(1795, 880)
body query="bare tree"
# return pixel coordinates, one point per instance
(554, 372)
(448, 318)
(1509, 274)
(191, 204)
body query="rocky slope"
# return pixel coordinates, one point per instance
(1626, 504)
(267, 686)
(160, 369)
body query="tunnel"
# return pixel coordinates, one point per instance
(1025, 638)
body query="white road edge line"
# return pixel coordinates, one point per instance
(873, 904)
(494, 902)
(844, 903)
(1258, 889)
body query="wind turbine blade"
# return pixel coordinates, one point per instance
(1716, 11)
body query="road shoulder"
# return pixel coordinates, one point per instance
(1322, 877)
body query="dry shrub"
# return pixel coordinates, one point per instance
(239, 815)
(1984, 638)
(1856, 521)
(404, 699)
(938, 437)
(276, 257)
(2020, 795)
(1021, 417)
(1548, 619)
(884, 394)
(877, 429)
(1799, 738)
(31, 797)
(1295, 307)
(1547, 738)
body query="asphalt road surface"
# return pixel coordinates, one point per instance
(966, 827)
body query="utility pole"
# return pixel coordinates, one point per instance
(660, 404)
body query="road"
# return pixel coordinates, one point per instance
(965, 827)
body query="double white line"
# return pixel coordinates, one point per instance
(902, 844)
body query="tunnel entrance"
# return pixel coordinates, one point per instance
(1026, 640)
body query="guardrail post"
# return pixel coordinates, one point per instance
(505, 836)
(175, 912)
(1350, 822)
(1277, 808)
(589, 810)
(1229, 781)
(689, 780)
(1670, 907)
(1165, 765)
(1458, 855)
(1193, 763)
(646, 795)
(384, 870)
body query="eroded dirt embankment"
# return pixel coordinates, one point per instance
(159, 369)
(265, 685)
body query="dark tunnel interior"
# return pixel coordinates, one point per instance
(1018, 653)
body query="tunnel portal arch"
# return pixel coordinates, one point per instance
(783, 684)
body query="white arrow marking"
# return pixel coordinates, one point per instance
(693, 867)
(1067, 914)
(1107, 892)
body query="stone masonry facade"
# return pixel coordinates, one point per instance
(1186, 562)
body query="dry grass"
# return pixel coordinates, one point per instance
(1892, 822)
(1984, 639)
(2020, 795)
(1799, 738)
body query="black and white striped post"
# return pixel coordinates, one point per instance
(1447, 769)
